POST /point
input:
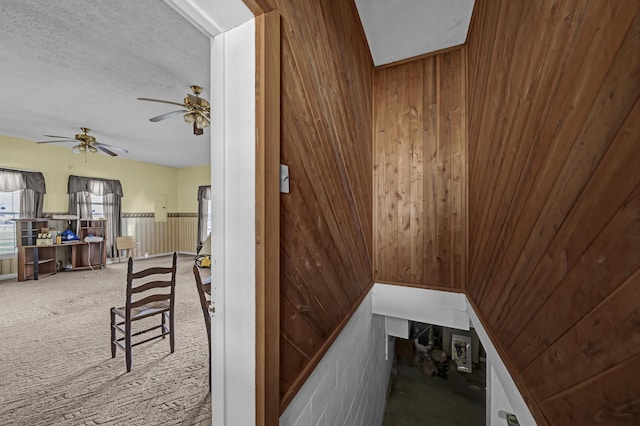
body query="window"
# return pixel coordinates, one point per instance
(9, 209)
(204, 214)
(97, 206)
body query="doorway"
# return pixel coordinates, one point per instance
(438, 377)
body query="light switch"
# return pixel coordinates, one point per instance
(284, 179)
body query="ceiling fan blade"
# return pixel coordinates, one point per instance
(103, 149)
(61, 140)
(167, 115)
(110, 147)
(59, 137)
(161, 101)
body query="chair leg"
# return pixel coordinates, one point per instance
(164, 324)
(113, 334)
(210, 369)
(171, 336)
(127, 342)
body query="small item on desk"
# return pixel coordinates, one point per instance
(68, 236)
(59, 239)
(44, 239)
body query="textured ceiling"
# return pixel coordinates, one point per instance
(401, 29)
(66, 64)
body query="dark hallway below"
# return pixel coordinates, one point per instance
(418, 399)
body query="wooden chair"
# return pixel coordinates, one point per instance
(127, 243)
(204, 291)
(153, 296)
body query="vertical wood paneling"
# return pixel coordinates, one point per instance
(554, 222)
(428, 174)
(326, 219)
(420, 171)
(258, 7)
(268, 219)
(178, 233)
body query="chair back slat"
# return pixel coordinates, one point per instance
(151, 285)
(151, 271)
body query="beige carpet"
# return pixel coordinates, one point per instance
(55, 358)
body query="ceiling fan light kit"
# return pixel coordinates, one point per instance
(88, 144)
(196, 112)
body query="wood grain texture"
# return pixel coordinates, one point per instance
(610, 398)
(553, 127)
(267, 218)
(607, 335)
(259, 7)
(326, 219)
(420, 171)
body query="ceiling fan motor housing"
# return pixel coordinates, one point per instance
(85, 138)
(197, 103)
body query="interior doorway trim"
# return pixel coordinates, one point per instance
(268, 218)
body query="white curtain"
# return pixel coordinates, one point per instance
(80, 189)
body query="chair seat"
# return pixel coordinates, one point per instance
(144, 310)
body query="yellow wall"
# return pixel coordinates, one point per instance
(141, 182)
(189, 179)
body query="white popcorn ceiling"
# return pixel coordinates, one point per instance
(67, 64)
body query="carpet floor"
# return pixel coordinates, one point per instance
(55, 358)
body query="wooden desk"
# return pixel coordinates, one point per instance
(39, 261)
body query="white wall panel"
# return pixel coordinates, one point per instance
(349, 385)
(429, 306)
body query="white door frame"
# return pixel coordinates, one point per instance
(231, 27)
(233, 189)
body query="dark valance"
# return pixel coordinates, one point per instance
(13, 180)
(96, 186)
(204, 192)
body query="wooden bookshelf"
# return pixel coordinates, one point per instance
(36, 261)
(33, 261)
(92, 254)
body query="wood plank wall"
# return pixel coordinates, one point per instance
(326, 140)
(420, 172)
(554, 199)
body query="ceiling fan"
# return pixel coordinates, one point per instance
(196, 110)
(88, 144)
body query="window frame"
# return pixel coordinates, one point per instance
(15, 205)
